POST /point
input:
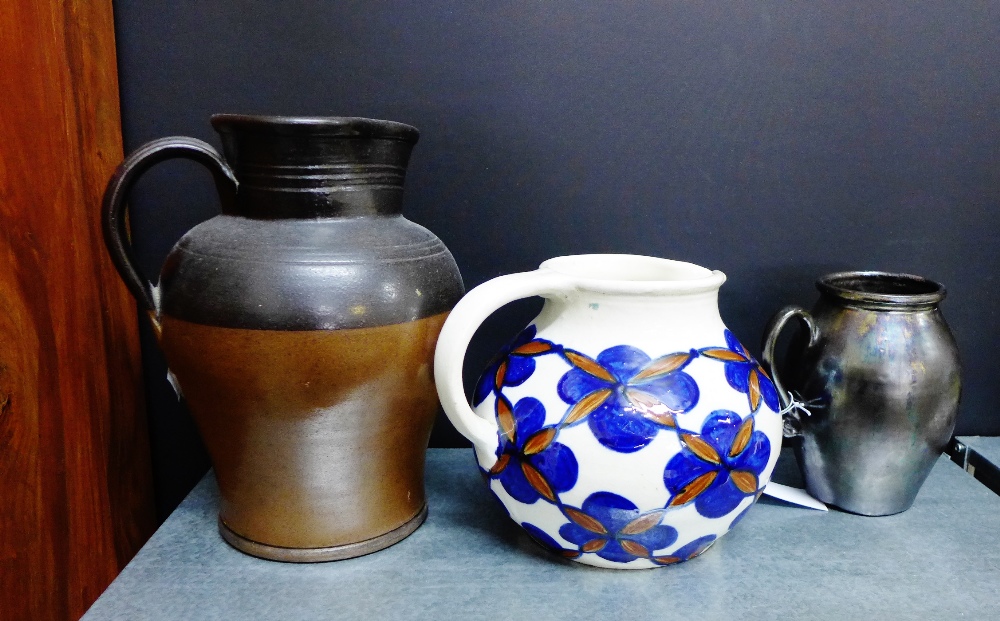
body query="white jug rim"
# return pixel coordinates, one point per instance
(634, 274)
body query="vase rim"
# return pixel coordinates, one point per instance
(340, 126)
(634, 274)
(882, 289)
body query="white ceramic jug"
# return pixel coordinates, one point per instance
(625, 426)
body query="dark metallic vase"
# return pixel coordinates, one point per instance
(880, 379)
(300, 327)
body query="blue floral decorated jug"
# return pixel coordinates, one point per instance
(625, 427)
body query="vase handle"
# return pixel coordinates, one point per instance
(465, 318)
(116, 236)
(792, 424)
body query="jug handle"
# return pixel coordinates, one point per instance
(465, 318)
(116, 236)
(791, 424)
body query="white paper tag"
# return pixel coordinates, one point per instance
(794, 496)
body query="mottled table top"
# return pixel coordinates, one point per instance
(938, 560)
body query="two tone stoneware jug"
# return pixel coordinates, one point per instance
(300, 326)
(625, 427)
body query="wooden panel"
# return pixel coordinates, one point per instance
(74, 466)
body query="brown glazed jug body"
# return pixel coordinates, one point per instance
(299, 326)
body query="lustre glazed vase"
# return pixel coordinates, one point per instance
(625, 427)
(880, 377)
(299, 326)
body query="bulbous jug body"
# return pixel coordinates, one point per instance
(626, 426)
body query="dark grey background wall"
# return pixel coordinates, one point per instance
(774, 140)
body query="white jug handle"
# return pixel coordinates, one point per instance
(465, 318)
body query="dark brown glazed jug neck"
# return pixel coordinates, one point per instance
(315, 167)
(881, 291)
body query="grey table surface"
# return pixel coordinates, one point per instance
(988, 447)
(938, 560)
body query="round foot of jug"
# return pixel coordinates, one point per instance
(317, 555)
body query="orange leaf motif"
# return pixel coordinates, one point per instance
(728, 355)
(745, 481)
(753, 388)
(585, 521)
(501, 464)
(701, 448)
(692, 489)
(587, 405)
(501, 374)
(594, 545)
(539, 442)
(588, 365)
(701, 550)
(660, 367)
(533, 348)
(667, 420)
(506, 418)
(644, 522)
(634, 548)
(651, 407)
(742, 438)
(538, 482)
(666, 560)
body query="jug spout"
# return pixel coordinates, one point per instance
(315, 167)
(658, 293)
(624, 274)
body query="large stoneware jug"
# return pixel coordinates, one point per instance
(300, 326)
(625, 427)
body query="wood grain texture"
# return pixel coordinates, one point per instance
(74, 466)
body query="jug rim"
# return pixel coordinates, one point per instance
(341, 126)
(889, 290)
(633, 274)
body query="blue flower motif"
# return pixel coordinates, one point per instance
(625, 396)
(512, 365)
(613, 528)
(686, 552)
(530, 464)
(743, 513)
(744, 373)
(543, 539)
(720, 467)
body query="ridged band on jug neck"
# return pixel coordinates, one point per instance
(308, 167)
(881, 290)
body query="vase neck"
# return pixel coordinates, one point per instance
(295, 167)
(881, 291)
